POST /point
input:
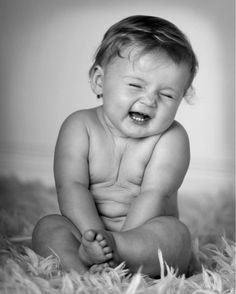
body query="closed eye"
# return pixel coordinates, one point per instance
(167, 96)
(135, 86)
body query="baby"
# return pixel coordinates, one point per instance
(118, 166)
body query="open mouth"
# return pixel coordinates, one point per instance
(139, 117)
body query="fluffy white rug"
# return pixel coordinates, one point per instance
(211, 219)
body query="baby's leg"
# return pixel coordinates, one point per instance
(54, 234)
(165, 233)
(139, 247)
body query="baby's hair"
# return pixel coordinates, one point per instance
(148, 33)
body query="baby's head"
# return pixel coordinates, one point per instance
(148, 34)
(142, 69)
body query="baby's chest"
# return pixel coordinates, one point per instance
(115, 164)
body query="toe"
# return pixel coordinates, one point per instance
(99, 237)
(105, 265)
(109, 255)
(93, 269)
(107, 249)
(89, 235)
(103, 243)
(112, 264)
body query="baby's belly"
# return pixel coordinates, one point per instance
(113, 204)
(113, 214)
(113, 224)
(112, 209)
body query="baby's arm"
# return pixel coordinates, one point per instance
(162, 178)
(72, 174)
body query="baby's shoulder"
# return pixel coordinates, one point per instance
(78, 125)
(176, 129)
(80, 118)
(175, 134)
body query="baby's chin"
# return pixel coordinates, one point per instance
(145, 129)
(130, 129)
(141, 134)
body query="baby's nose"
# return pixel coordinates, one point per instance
(149, 100)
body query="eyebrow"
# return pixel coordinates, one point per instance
(135, 78)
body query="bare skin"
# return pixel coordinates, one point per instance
(94, 248)
(117, 170)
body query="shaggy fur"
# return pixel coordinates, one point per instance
(210, 220)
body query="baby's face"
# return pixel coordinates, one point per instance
(141, 95)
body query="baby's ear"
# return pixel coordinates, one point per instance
(97, 80)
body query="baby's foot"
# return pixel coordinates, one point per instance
(94, 248)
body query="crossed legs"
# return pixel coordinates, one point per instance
(138, 247)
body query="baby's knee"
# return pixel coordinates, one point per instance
(173, 226)
(184, 246)
(179, 237)
(48, 232)
(184, 233)
(176, 226)
(53, 227)
(46, 226)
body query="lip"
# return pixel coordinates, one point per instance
(139, 118)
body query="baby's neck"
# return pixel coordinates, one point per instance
(109, 127)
